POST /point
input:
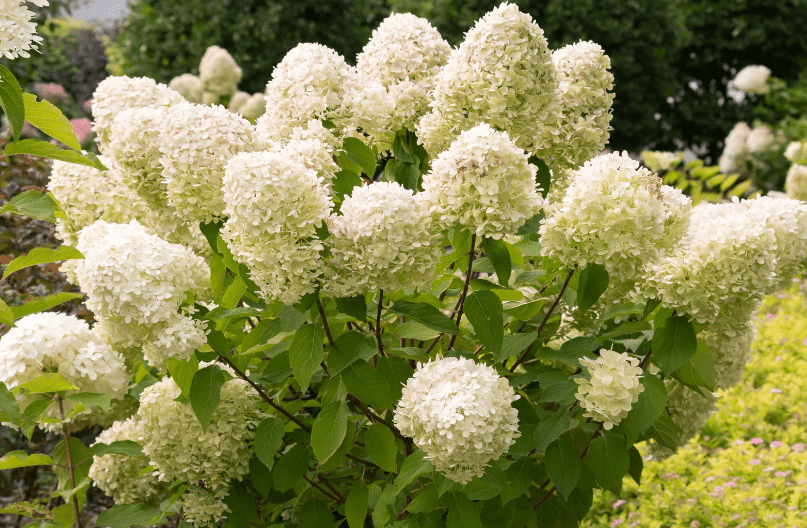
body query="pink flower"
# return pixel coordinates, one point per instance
(731, 484)
(776, 443)
(757, 441)
(798, 448)
(718, 489)
(780, 473)
(754, 462)
(619, 503)
(771, 316)
(53, 92)
(804, 342)
(83, 129)
(616, 522)
(87, 106)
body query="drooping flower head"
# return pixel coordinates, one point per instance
(17, 31)
(760, 139)
(735, 150)
(188, 86)
(116, 94)
(254, 107)
(796, 152)
(219, 72)
(483, 183)
(196, 142)
(753, 79)
(730, 345)
(274, 205)
(796, 182)
(611, 388)
(460, 413)
(502, 74)
(383, 240)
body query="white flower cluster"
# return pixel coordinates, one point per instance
(384, 239)
(250, 106)
(17, 31)
(196, 142)
(616, 214)
(796, 152)
(753, 79)
(688, 409)
(87, 194)
(760, 139)
(502, 74)
(796, 182)
(460, 413)
(586, 99)
(179, 449)
(311, 82)
(730, 345)
(404, 56)
(659, 161)
(188, 86)
(735, 150)
(116, 94)
(135, 283)
(724, 263)
(611, 388)
(53, 342)
(484, 183)
(274, 205)
(118, 476)
(219, 72)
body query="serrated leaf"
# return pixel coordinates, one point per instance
(462, 513)
(183, 372)
(234, 293)
(543, 178)
(367, 385)
(290, 468)
(665, 431)
(316, 514)
(241, 505)
(118, 447)
(6, 315)
(592, 284)
(44, 149)
(50, 382)
(700, 369)
(92, 399)
(360, 154)
(499, 256)
(9, 406)
(306, 353)
(50, 120)
(205, 393)
(343, 183)
(350, 347)
(515, 344)
(427, 315)
(40, 304)
(636, 464)
(674, 344)
(27, 509)
(563, 466)
(355, 306)
(268, 439)
(380, 445)
(484, 311)
(329, 430)
(34, 204)
(550, 429)
(519, 478)
(11, 101)
(356, 504)
(651, 403)
(42, 256)
(608, 460)
(18, 459)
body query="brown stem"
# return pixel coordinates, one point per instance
(374, 417)
(325, 322)
(315, 485)
(464, 293)
(554, 305)
(76, 509)
(330, 486)
(646, 358)
(378, 322)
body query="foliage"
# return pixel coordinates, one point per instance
(706, 183)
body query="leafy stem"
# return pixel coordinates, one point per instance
(460, 307)
(70, 467)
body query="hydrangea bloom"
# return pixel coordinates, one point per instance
(311, 82)
(658, 161)
(616, 214)
(237, 101)
(135, 281)
(586, 86)
(725, 262)
(195, 144)
(117, 475)
(796, 182)
(611, 389)
(688, 409)
(188, 86)
(501, 74)
(730, 345)
(219, 72)
(796, 151)
(274, 206)
(753, 79)
(735, 150)
(54, 342)
(404, 56)
(179, 449)
(460, 413)
(384, 239)
(87, 194)
(176, 338)
(759, 139)
(254, 107)
(115, 94)
(17, 31)
(483, 183)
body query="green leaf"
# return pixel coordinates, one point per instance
(360, 154)
(42, 256)
(414, 466)
(234, 293)
(494, 513)
(544, 176)
(343, 183)
(674, 344)
(18, 459)
(608, 460)
(350, 347)
(316, 514)
(515, 344)
(563, 466)
(183, 372)
(665, 431)
(519, 478)
(27, 509)
(427, 315)
(355, 306)
(400, 148)
(268, 439)
(118, 447)
(356, 505)
(407, 174)
(380, 445)
(9, 405)
(329, 430)
(367, 385)
(496, 251)
(50, 120)
(290, 468)
(34, 204)
(593, 283)
(462, 513)
(636, 464)
(128, 515)
(92, 399)
(651, 403)
(40, 304)
(241, 505)
(700, 369)
(11, 101)
(550, 429)
(211, 232)
(396, 371)
(205, 393)
(484, 311)
(51, 382)
(306, 353)
(44, 149)
(6, 315)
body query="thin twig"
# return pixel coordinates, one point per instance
(378, 322)
(314, 484)
(374, 417)
(464, 293)
(76, 509)
(330, 486)
(325, 322)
